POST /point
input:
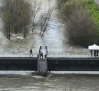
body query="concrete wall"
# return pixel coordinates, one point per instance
(73, 64)
(22, 64)
(42, 67)
(50, 64)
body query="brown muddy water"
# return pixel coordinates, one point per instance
(56, 41)
(53, 37)
(24, 81)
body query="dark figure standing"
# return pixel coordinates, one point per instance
(97, 53)
(91, 52)
(31, 52)
(41, 54)
(94, 53)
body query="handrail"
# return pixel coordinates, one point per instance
(49, 53)
(68, 53)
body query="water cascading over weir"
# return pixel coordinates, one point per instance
(44, 61)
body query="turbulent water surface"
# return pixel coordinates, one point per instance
(24, 81)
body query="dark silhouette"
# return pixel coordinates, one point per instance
(91, 52)
(31, 52)
(41, 54)
(94, 53)
(46, 49)
(40, 49)
(97, 53)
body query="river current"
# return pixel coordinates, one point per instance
(53, 37)
(56, 41)
(24, 81)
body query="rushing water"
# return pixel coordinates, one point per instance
(69, 82)
(53, 37)
(56, 41)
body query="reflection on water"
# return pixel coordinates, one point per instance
(54, 82)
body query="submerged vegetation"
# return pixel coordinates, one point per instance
(81, 18)
(16, 16)
(19, 15)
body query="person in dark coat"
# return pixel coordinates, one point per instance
(31, 52)
(91, 52)
(97, 53)
(41, 54)
(94, 53)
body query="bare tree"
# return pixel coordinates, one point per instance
(16, 16)
(44, 20)
(35, 9)
(7, 17)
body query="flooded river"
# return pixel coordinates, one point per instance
(24, 81)
(53, 37)
(56, 41)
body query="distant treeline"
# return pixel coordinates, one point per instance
(81, 18)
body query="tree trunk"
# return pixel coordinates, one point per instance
(9, 31)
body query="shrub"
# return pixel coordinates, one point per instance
(93, 9)
(81, 29)
(60, 2)
(68, 7)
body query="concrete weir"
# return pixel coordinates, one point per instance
(42, 67)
